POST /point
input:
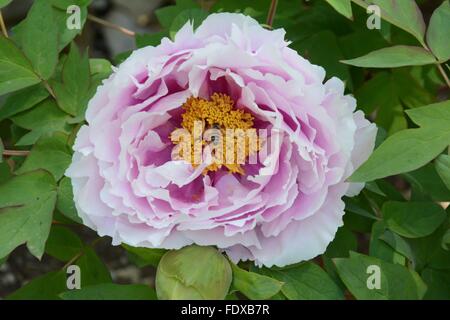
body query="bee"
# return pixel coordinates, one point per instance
(215, 138)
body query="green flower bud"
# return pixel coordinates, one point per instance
(197, 273)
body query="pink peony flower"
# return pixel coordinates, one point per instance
(230, 72)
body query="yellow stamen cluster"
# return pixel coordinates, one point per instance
(218, 113)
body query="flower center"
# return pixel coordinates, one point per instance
(215, 124)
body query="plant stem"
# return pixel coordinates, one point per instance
(3, 26)
(272, 12)
(444, 75)
(439, 66)
(111, 25)
(361, 3)
(71, 261)
(49, 89)
(18, 153)
(80, 254)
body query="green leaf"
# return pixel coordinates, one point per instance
(143, 257)
(377, 93)
(438, 283)
(93, 270)
(411, 93)
(4, 3)
(110, 291)
(2, 148)
(357, 223)
(413, 219)
(96, 81)
(45, 118)
(443, 169)
(39, 39)
(258, 8)
(438, 33)
(16, 71)
(167, 15)
(404, 14)
(380, 249)
(60, 219)
(344, 242)
(380, 94)
(153, 39)
(253, 285)
(331, 270)
(427, 185)
(16, 134)
(404, 151)
(100, 66)
(410, 149)
(26, 216)
(445, 243)
(231, 296)
(390, 191)
(22, 100)
(394, 57)
(386, 92)
(433, 116)
(428, 251)
(344, 7)
(64, 4)
(322, 48)
(121, 57)
(195, 16)
(5, 171)
(63, 244)
(50, 153)
(66, 35)
(355, 205)
(399, 244)
(60, 16)
(392, 118)
(397, 282)
(65, 203)
(72, 94)
(361, 42)
(46, 287)
(306, 281)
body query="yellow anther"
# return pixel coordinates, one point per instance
(218, 114)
